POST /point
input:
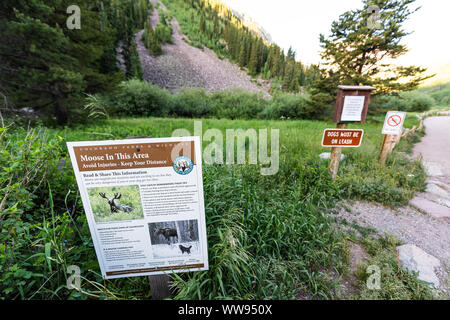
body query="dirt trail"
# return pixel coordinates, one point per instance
(434, 149)
(184, 66)
(435, 146)
(424, 222)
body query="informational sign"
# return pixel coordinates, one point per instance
(353, 108)
(393, 123)
(144, 203)
(342, 137)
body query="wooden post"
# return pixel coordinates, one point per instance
(420, 126)
(159, 286)
(406, 133)
(387, 147)
(397, 139)
(335, 156)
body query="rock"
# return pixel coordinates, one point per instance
(415, 259)
(435, 188)
(431, 208)
(326, 155)
(432, 169)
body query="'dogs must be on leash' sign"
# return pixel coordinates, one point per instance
(342, 137)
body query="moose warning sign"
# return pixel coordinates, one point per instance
(342, 137)
(143, 200)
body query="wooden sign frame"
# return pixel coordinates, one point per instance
(344, 91)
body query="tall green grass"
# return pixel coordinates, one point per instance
(268, 236)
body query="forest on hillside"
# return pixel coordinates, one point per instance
(270, 237)
(76, 74)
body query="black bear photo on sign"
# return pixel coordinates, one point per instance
(174, 238)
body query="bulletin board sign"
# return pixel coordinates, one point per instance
(144, 204)
(352, 104)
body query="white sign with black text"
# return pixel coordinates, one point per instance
(393, 123)
(353, 108)
(144, 204)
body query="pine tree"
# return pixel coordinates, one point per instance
(254, 58)
(52, 75)
(152, 44)
(357, 53)
(243, 54)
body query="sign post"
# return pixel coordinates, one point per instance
(392, 130)
(335, 156)
(352, 103)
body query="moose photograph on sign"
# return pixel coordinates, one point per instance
(174, 238)
(116, 203)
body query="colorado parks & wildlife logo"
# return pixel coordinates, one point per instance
(183, 165)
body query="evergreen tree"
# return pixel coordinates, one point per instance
(52, 75)
(153, 45)
(359, 54)
(134, 68)
(253, 63)
(243, 53)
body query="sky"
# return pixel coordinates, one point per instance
(298, 23)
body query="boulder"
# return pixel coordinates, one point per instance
(326, 155)
(415, 259)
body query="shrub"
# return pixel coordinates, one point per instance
(237, 104)
(396, 103)
(410, 101)
(138, 98)
(421, 102)
(164, 33)
(192, 103)
(294, 106)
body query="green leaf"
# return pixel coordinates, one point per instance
(48, 247)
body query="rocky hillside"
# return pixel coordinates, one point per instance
(184, 66)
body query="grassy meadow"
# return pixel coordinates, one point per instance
(269, 237)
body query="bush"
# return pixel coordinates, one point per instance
(192, 103)
(396, 103)
(164, 33)
(237, 104)
(294, 106)
(440, 93)
(410, 101)
(138, 98)
(421, 102)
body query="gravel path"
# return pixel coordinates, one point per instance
(435, 146)
(184, 66)
(407, 224)
(424, 222)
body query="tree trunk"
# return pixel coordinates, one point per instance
(60, 107)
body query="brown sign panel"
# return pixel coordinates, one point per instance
(130, 156)
(342, 137)
(358, 91)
